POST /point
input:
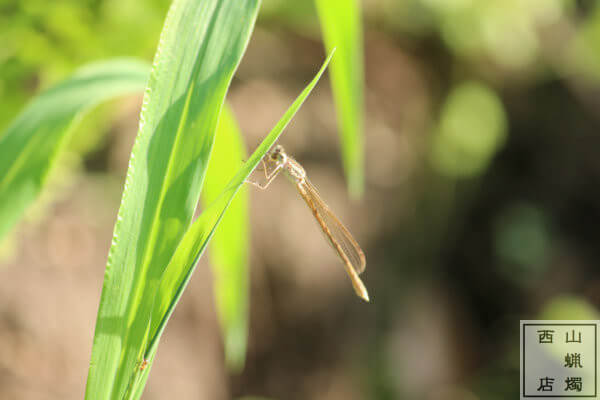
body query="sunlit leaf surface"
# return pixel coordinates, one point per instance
(229, 247)
(200, 47)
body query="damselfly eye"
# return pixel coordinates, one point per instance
(276, 154)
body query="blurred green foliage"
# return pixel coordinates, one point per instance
(502, 30)
(522, 243)
(471, 129)
(583, 56)
(43, 41)
(34, 139)
(569, 307)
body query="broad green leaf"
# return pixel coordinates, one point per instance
(181, 267)
(200, 47)
(29, 146)
(229, 247)
(342, 29)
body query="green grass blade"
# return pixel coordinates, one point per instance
(342, 29)
(229, 246)
(200, 47)
(29, 146)
(194, 242)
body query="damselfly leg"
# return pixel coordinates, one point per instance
(269, 175)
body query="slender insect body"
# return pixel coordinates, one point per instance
(338, 236)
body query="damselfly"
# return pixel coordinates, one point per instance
(338, 236)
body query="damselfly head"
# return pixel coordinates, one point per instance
(277, 154)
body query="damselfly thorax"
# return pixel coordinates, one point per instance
(294, 170)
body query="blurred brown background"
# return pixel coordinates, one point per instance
(481, 203)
